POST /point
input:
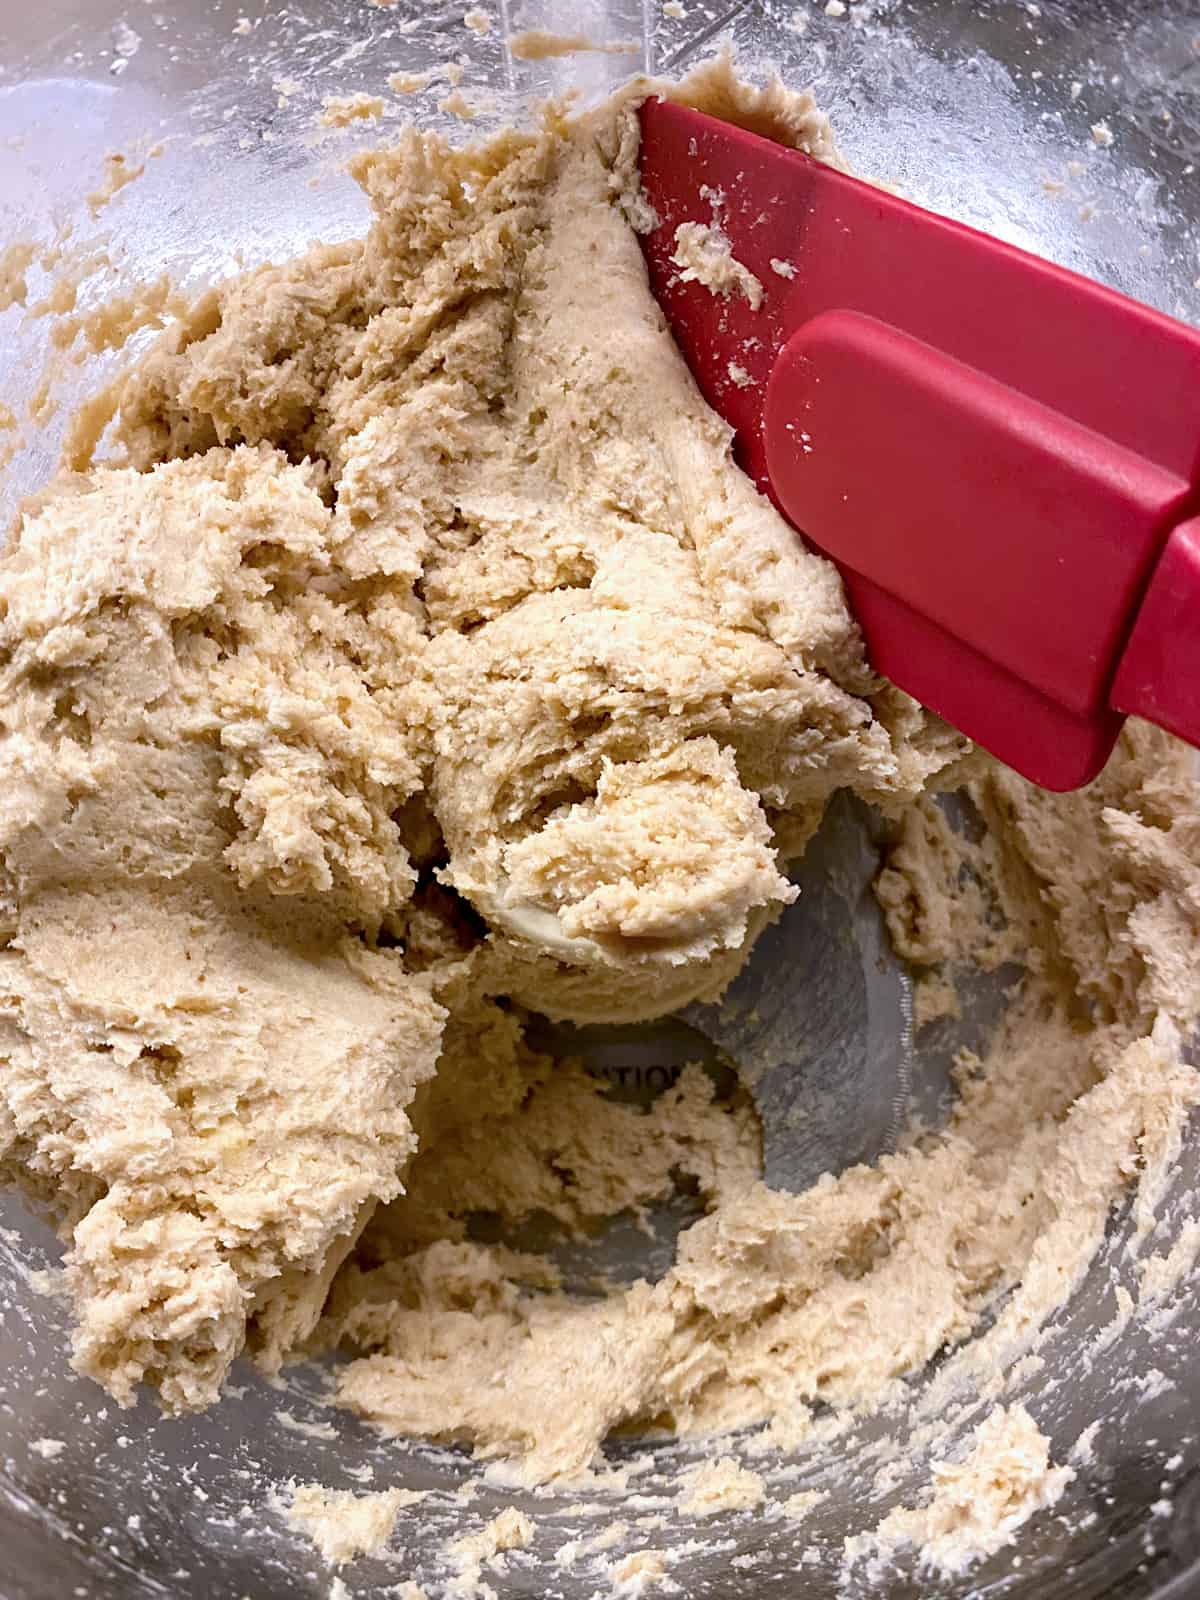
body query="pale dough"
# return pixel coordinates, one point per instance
(975, 1505)
(704, 254)
(469, 1555)
(720, 1486)
(342, 1524)
(428, 659)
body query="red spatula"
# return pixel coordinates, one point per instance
(1002, 457)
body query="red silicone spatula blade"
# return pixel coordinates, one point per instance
(940, 522)
(1159, 675)
(994, 450)
(1052, 747)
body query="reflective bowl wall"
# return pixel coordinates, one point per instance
(973, 109)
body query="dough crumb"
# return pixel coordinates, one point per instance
(646, 1569)
(478, 21)
(739, 375)
(977, 1504)
(934, 998)
(704, 255)
(119, 173)
(310, 1430)
(1102, 134)
(798, 1505)
(720, 1486)
(409, 82)
(674, 10)
(1160, 1275)
(576, 1550)
(343, 1525)
(509, 1530)
(783, 269)
(835, 8)
(340, 111)
(456, 104)
(1083, 1451)
(48, 1449)
(15, 262)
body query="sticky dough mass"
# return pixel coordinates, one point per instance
(427, 661)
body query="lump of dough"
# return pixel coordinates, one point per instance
(671, 851)
(203, 1074)
(519, 461)
(976, 1505)
(564, 733)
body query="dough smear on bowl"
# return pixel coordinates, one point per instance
(423, 660)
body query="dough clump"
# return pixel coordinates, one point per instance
(976, 1505)
(343, 1525)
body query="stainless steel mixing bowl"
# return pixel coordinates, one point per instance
(973, 108)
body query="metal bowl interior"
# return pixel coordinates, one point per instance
(973, 109)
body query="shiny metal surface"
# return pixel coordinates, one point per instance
(970, 107)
